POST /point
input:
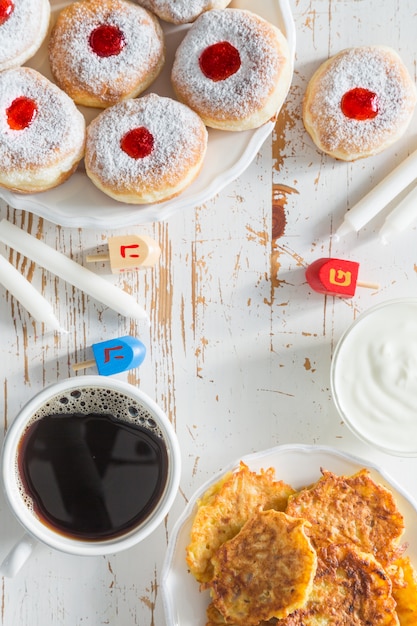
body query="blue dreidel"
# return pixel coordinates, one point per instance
(115, 355)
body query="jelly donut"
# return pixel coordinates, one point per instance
(181, 11)
(233, 68)
(23, 27)
(42, 133)
(359, 102)
(145, 150)
(105, 51)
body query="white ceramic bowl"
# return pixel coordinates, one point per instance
(374, 377)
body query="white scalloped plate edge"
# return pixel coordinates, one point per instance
(77, 203)
(184, 604)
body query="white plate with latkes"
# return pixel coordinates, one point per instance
(78, 203)
(297, 465)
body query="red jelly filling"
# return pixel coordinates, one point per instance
(220, 61)
(21, 113)
(137, 143)
(107, 40)
(360, 104)
(6, 9)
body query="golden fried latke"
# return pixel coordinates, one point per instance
(215, 618)
(225, 507)
(351, 508)
(350, 589)
(265, 571)
(404, 590)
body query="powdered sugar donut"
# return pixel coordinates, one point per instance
(145, 150)
(23, 27)
(105, 51)
(359, 102)
(42, 133)
(181, 11)
(233, 68)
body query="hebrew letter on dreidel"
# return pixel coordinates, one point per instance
(339, 277)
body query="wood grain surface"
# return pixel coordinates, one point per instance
(239, 347)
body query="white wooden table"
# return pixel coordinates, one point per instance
(239, 348)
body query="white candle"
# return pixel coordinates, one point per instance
(70, 271)
(378, 198)
(400, 218)
(23, 290)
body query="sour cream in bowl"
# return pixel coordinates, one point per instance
(374, 377)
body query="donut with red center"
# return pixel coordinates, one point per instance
(6, 9)
(145, 150)
(42, 133)
(359, 102)
(233, 68)
(23, 28)
(181, 11)
(105, 51)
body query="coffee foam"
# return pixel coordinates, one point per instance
(84, 401)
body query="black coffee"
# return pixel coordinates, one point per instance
(93, 475)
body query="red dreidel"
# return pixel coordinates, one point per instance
(129, 252)
(335, 277)
(115, 356)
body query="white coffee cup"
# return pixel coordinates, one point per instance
(83, 394)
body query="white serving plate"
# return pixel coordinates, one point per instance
(299, 466)
(78, 203)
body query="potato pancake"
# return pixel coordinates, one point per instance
(265, 571)
(350, 589)
(240, 551)
(224, 509)
(215, 618)
(404, 590)
(351, 508)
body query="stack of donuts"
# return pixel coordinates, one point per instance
(42, 133)
(231, 72)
